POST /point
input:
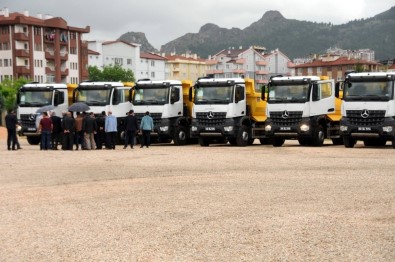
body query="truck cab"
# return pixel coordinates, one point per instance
(227, 109)
(368, 109)
(167, 102)
(33, 96)
(300, 107)
(105, 96)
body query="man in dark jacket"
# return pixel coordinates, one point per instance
(131, 127)
(68, 126)
(89, 126)
(11, 122)
(56, 130)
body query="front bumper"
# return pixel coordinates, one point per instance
(386, 130)
(227, 129)
(302, 129)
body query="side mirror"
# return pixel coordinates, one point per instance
(190, 94)
(315, 96)
(56, 99)
(337, 90)
(263, 92)
(18, 98)
(115, 100)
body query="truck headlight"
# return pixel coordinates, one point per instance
(194, 128)
(228, 128)
(387, 129)
(343, 128)
(164, 128)
(304, 128)
(268, 128)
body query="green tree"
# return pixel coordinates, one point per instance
(8, 90)
(111, 73)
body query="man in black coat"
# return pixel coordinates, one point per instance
(131, 127)
(56, 130)
(89, 126)
(11, 122)
(68, 126)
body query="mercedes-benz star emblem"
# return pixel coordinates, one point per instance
(210, 115)
(285, 114)
(365, 113)
(32, 117)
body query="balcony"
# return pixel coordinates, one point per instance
(49, 55)
(238, 71)
(64, 72)
(262, 72)
(209, 72)
(261, 81)
(261, 63)
(64, 56)
(21, 37)
(22, 53)
(240, 61)
(176, 69)
(50, 70)
(23, 70)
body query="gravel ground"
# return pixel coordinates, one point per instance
(190, 203)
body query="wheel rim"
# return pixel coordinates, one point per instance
(321, 136)
(245, 136)
(181, 135)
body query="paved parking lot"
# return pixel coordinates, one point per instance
(220, 203)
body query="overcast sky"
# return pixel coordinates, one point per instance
(166, 20)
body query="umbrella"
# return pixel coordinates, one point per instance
(79, 107)
(45, 108)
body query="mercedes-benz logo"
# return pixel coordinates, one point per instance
(285, 114)
(32, 117)
(365, 113)
(210, 115)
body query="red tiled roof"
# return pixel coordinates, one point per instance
(392, 67)
(337, 62)
(119, 41)
(151, 56)
(91, 52)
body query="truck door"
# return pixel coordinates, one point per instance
(322, 98)
(240, 101)
(120, 101)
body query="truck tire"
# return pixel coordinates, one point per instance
(232, 141)
(318, 136)
(33, 140)
(180, 136)
(242, 138)
(203, 141)
(393, 142)
(303, 141)
(349, 142)
(277, 142)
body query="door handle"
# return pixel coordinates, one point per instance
(331, 109)
(179, 113)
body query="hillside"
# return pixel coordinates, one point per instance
(295, 38)
(138, 38)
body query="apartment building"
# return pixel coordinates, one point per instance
(185, 66)
(42, 48)
(252, 62)
(334, 66)
(128, 56)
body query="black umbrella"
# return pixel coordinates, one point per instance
(79, 107)
(45, 108)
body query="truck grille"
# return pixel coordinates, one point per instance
(206, 119)
(155, 116)
(293, 118)
(28, 120)
(366, 117)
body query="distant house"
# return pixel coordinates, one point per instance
(151, 66)
(252, 62)
(185, 66)
(334, 66)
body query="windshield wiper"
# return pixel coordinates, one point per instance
(354, 97)
(377, 97)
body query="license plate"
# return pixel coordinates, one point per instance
(285, 128)
(210, 129)
(31, 129)
(364, 129)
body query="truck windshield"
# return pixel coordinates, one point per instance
(93, 97)
(288, 93)
(369, 91)
(35, 98)
(213, 94)
(151, 96)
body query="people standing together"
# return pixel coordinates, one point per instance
(85, 131)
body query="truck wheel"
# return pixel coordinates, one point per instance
(349, 142)
(203, 141)
(242, 136)
(318, 136)
(33, 140)
(393, 142)
(303, 141)
(337, 141)
(180, 136)
(278, 141)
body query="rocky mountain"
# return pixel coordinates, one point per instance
(295, 38)
(138, 38)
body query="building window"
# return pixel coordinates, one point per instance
(73, 50)
(118, 61)
(153, 74)
(152, 63)
(129, 61)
